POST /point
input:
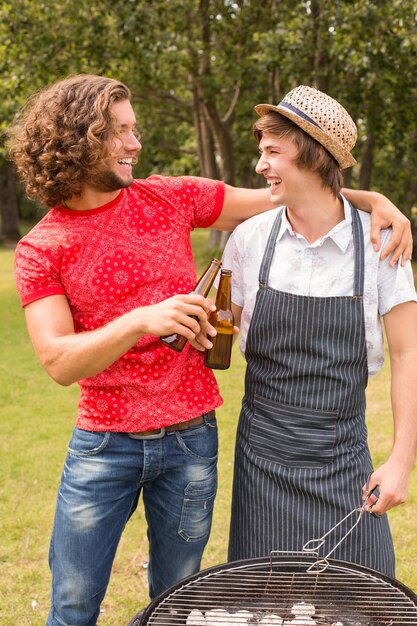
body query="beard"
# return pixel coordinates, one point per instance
(109, 181)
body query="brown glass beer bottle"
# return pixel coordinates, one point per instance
(218, 357)
(202, 288)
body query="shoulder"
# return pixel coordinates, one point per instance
(260, 224)
(385, 233)
(366, 220)
(196, 200)
(42, 231)
(175, 183)
(248, 240)
(155, 184)
(182, 191)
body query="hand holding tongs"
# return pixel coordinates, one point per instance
(315, 544)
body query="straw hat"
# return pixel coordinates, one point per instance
(320, 116)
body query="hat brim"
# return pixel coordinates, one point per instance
(343, 157)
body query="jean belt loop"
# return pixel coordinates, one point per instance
(207, 417)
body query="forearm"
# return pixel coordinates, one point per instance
(240, 204)
(404, 408)
(74, 356)
(362, 200)
(393, 476)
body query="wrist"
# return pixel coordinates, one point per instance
(372, 200)
(405, 459)
(375, 198)
(136, 323)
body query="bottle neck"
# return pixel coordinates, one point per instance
(224, 293)
(206, 281)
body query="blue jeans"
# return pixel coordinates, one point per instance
(103, 475)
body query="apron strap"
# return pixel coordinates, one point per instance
(269, 251)
(358, 245)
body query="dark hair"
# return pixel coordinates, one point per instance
(59, 137)
(311, 154)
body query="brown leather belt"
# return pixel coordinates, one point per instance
(158, 433)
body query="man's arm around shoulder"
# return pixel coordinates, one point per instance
(240, 204)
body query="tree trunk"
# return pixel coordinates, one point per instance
(9, 204)
(207, 158)
(221, 131)
(320, 58)
(205, 142)
(204, 131)
(347, 177)
(367, 161)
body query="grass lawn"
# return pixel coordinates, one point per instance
(37, 417)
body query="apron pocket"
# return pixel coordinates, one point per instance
(292, 436)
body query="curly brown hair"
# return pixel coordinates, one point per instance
(59, 137)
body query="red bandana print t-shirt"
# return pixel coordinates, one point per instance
(131, 252)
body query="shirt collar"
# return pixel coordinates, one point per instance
(341, 234)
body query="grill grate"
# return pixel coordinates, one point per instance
(342, 595)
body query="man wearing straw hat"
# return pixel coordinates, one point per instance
(309, 292)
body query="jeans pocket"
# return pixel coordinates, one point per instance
(87, 442)
(292, 436)
(197, 509)
(200, 444)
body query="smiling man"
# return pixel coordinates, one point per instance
(102, 276)
(309, 292)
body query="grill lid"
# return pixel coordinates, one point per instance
(280, 591)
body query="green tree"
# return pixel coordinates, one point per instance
(196, 69)
(39, 43)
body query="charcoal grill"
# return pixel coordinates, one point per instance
(343, 594)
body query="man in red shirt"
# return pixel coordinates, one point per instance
(102, 276)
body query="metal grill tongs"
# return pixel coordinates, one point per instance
(314, 545)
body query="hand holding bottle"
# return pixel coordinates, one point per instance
(182, 314)
(205, 338)
(177, 340)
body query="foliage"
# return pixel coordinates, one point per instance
(197, 68)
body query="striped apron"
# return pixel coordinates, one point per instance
(301, 449)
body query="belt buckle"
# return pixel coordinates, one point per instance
(148, 437)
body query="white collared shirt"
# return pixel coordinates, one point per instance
(323, 268)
